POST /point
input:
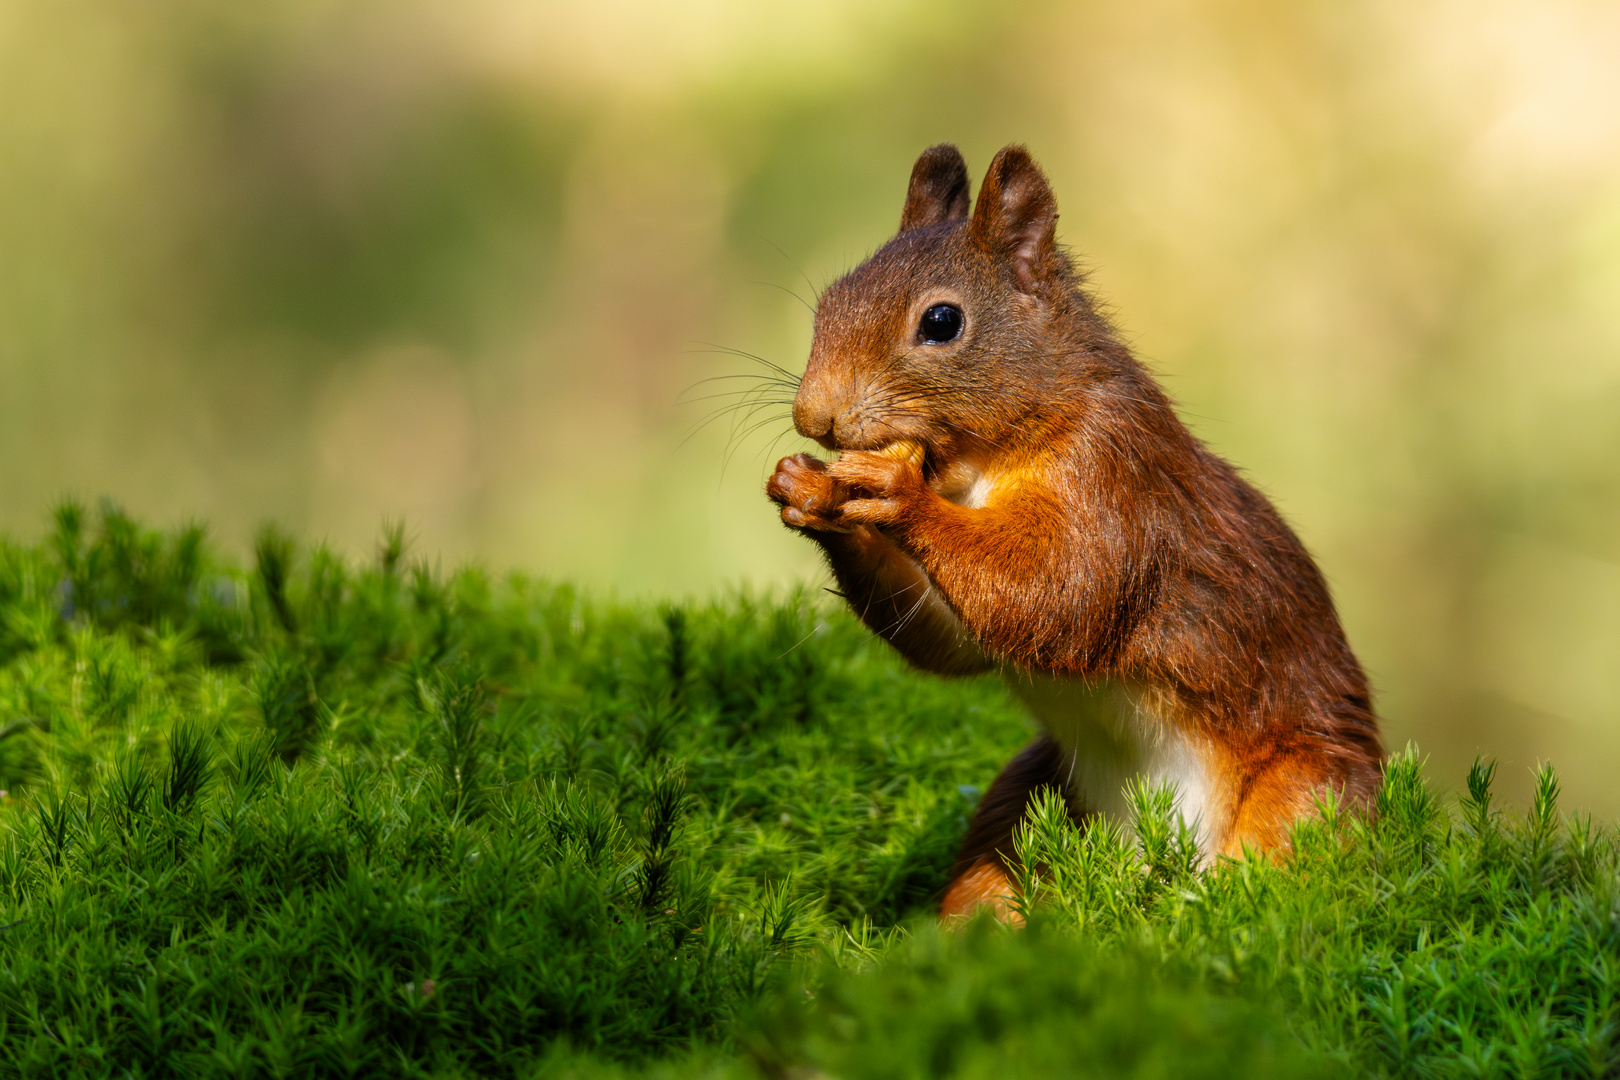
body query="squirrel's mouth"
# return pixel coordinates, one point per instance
(875, 437)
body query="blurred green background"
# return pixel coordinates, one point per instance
(333, 261)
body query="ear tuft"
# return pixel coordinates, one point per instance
(939, 189)
(1016, 217)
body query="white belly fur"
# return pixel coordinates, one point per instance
(1109, 738)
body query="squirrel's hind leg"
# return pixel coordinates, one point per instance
(980, 877)
(1290, 787)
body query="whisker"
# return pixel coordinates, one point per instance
(743, 396)
(729, 351)
(794, 263)
(801, 641)
(866, 610)
(905, 620)
(756, 425)
(745, 424)
(749, 408)
(765, 399)
(741, 411)
(735, 444)
(770, 447)
(761, 384)
(773, 380)
(790, 292)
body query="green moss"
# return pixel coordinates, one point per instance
(321, 819)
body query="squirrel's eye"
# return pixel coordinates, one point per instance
(941, 323)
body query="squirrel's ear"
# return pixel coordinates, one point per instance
(939, 188)
(1017, 216)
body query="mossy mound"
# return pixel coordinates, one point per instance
(320, 819)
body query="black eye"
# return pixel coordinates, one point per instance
(941, 323)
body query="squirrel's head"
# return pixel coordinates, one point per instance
(943, 336)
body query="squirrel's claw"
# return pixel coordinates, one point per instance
(795, 518)
(810, 498)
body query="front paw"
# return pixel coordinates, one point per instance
(808, 494)
(887, 484)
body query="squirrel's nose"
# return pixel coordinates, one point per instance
(813, 421)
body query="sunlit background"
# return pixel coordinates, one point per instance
(327, 262)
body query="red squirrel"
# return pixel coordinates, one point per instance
(1014, 491)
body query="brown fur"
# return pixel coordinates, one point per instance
(1104, 543)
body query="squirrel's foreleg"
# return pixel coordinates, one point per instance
(884, 587)
(896, 600)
